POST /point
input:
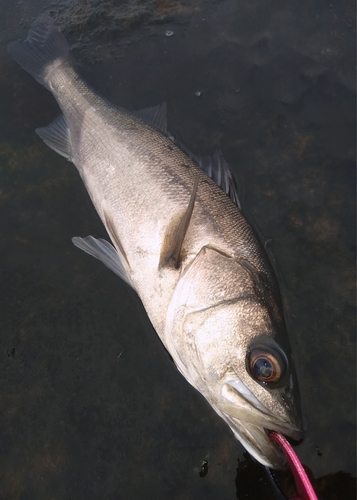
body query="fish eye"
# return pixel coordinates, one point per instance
(266, 363)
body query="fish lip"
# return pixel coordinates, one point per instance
(267, 453)
(288, 429)
(255, 435)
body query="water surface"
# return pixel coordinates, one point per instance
(91, 405)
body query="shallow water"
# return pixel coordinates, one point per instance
(91, 404)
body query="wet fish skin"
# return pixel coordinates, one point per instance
(181, 243)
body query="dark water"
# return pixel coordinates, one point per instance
(91, 405)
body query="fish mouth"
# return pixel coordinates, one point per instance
(252, 422)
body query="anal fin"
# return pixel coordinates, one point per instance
(176, 232)
(56, 136)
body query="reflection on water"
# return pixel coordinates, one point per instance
(92, 406)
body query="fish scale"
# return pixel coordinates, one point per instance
(182, 244)
(149, 154)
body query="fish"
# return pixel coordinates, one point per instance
(180, 239)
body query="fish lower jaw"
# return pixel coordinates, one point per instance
(238, 402)
(274, 459)
(251, 423)
(257, 442)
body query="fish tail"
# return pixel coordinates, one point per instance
(43, 45)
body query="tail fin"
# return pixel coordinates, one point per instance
(43, 45)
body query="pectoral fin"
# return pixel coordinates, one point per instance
(104, 251)
(176, 232)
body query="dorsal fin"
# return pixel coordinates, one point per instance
(216, 168)
(155, 116)
(176, 232)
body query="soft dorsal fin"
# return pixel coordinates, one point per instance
(155, 116)
(214, 166)
(56, 136)
(176, 232)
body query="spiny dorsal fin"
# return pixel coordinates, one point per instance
(214, 166)
(217, 169)
(176, 232)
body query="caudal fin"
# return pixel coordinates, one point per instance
(43, 45)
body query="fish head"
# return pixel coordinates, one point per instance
(226, 341)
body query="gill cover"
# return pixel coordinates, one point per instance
(201, 322)
(213, 319)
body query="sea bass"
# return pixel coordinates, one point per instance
(182, 243)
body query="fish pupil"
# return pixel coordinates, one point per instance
(263, 368)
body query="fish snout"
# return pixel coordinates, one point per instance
(252, 422)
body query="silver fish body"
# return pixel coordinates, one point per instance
(182, 244)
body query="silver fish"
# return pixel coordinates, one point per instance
(181, 243)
